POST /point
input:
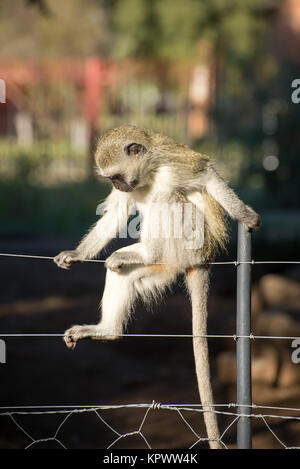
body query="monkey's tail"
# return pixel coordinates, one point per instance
(197, 281)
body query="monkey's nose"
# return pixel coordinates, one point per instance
(116, 177)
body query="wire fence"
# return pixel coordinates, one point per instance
(102, 261)
(68, 411)
(245, 411)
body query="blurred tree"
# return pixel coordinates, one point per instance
(172, 28)
(56, 28)
(41, 5)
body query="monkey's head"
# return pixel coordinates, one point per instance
(130, 157)
(124, 156)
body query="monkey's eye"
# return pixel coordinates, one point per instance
(134, 149)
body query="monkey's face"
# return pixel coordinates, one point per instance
(122, 156)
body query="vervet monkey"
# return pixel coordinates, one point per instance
(147, 169)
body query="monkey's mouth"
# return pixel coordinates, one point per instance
(120, 183)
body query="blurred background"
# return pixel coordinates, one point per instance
(215, 75)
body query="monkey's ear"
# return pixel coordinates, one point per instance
(135, 149)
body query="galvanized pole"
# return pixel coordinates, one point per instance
(243, 346)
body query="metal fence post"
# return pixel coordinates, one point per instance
(243, 345)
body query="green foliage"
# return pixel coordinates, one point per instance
(172, 28)
(45, 162)
(55, 28)
(33, 200)
(167, 29)
(34, 208)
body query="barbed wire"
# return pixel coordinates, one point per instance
(67, 411)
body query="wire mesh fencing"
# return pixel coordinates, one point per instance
(115, 435)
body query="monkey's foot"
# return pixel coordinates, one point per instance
(87, 332)
(120, 260)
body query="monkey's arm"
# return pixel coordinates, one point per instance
(115, 215)
(222, 193)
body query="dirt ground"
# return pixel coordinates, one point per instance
(37, 297)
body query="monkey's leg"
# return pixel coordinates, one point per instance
(197, 280)
(120, 292)
(115, 305)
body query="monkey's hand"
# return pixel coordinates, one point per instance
(96, 332)
(66, 258)
(250, 219)
(119, 260)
